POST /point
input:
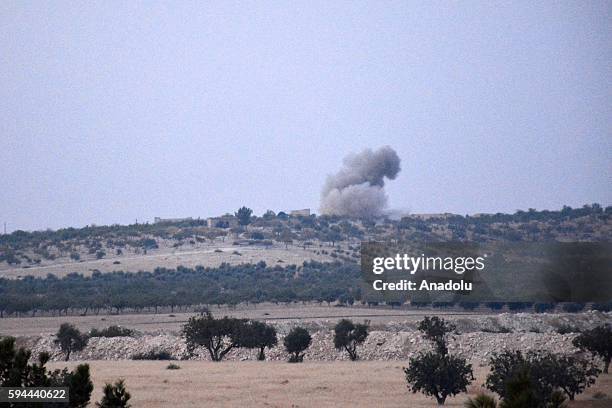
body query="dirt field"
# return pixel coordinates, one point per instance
(205, 255)
(28, 326)
(279, 384)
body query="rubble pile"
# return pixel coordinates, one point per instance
(393, 341)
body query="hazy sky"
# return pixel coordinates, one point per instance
(114, 110)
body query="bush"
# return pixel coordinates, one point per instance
(567, 329)
(516, 306)
(495, 305)
(481, 401)
(115, 396)
(602, 307)
(348, 336)
(173, 366)
(153, 355)
(15, 371)
(573, 307)
(543, 307)
(537, 375)
(296, 342)
(469, 305)
(112, 331)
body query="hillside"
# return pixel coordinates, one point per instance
(274, 239)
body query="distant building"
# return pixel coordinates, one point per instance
(300, 213)
(225, 221)
(158, 220)
(432, 216)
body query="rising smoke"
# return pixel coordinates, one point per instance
(357, 190)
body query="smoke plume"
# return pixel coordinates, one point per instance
(357, 190)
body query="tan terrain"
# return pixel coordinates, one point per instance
(205, 255)
(280, 384)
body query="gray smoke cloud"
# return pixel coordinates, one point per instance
(357, 190)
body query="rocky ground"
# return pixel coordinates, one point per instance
(476, 339)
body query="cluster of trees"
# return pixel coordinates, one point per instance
(220, 336)
(116, 291)
(535, 379)
(16, 370)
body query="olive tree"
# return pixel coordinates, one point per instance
(348, 336)
(597, 341)
(258, 335)
(436, 373)
(219, 336)
(296, 342)
(70, 339)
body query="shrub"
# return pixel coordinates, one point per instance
(543, 307)
(15, 371)
(112, 331)
(567, 329)
(602, 307)
(516, 306)
(573, 307)
(296, 342)
(173, 366)
(597, 341)
(153, 355)
(70, 339)
(469, 305)
(348, 336)
(495, 305)
(539, 374)
(115, 396)
(481, 401)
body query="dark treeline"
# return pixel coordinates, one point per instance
(179, 287)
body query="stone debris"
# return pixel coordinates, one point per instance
(397, 340)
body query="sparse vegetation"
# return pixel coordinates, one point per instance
(153, 355)
(112, 331)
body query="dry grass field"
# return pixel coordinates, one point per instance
(205, 255)
(279, 384)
